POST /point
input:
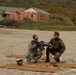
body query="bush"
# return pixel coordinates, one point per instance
(74, 19)
(9, 23)
(14, 23)
(27, 20)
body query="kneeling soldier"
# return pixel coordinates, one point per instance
(33, 50)
(57, 48)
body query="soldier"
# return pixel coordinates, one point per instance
(33, 50)
(57, 48)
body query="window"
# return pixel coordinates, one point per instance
(4, 15)
(32, 15)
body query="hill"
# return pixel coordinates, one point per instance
(64, 8)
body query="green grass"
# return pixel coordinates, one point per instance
(27, 24)
(48, 27)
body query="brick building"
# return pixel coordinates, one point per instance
(34, 14)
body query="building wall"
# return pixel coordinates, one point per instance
(43, 17)
(31, 15)
(15, 15)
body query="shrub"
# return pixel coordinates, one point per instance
(74, 19)
(27, 20)
(9, 23)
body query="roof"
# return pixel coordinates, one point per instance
(41, 11)
(8, 9)
(33, 9)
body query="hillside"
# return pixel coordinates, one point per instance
(64, 8)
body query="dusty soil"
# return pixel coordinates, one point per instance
(15, 41)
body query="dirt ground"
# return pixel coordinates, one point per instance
(15, 41)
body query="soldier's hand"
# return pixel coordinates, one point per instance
(50, 46)
(58, 53)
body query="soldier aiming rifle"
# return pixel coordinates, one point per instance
(35, 49)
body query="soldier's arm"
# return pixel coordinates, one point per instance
(63, 46)
(50, 44)
(51, 41)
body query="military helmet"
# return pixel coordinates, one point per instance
(19, 62)
(56, 33)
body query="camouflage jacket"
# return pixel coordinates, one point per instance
(57, 44)
(32, 47)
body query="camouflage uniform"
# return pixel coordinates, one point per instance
(57, 45)
(33, 52)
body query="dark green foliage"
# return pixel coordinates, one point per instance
(26, 20)
(28, 24)
(9, 23)
(74, 19)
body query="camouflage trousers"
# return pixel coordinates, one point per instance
(34, 56)
(53, 52)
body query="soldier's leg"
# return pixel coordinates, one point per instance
(57, 56)
(30, 58)
(38, 55)
(47, 54)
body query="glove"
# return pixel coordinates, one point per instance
(50, 46)
(58, 53)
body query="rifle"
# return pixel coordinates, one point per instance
(41, 45)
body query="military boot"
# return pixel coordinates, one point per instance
(47, 60)
(57, 60)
